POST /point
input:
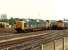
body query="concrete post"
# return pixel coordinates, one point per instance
(54, 44)
(42, 47)
(63, 43)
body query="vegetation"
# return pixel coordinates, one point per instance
(11, 21)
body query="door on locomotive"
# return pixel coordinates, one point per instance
(48, 24)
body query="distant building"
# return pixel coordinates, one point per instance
(3, 16)
(5, 25)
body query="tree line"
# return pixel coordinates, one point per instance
(11, 21)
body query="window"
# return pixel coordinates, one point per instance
(25, 24)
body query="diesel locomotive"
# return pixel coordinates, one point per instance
(32, 25)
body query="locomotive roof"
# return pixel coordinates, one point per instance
(60, 21)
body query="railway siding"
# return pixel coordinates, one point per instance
(31, 41)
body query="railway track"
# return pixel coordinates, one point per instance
(13, 35)
(29, 40)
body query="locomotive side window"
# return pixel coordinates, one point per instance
(25, 24)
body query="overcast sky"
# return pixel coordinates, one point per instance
(41, 9)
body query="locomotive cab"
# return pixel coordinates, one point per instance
(21, 26)
(60, 25)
